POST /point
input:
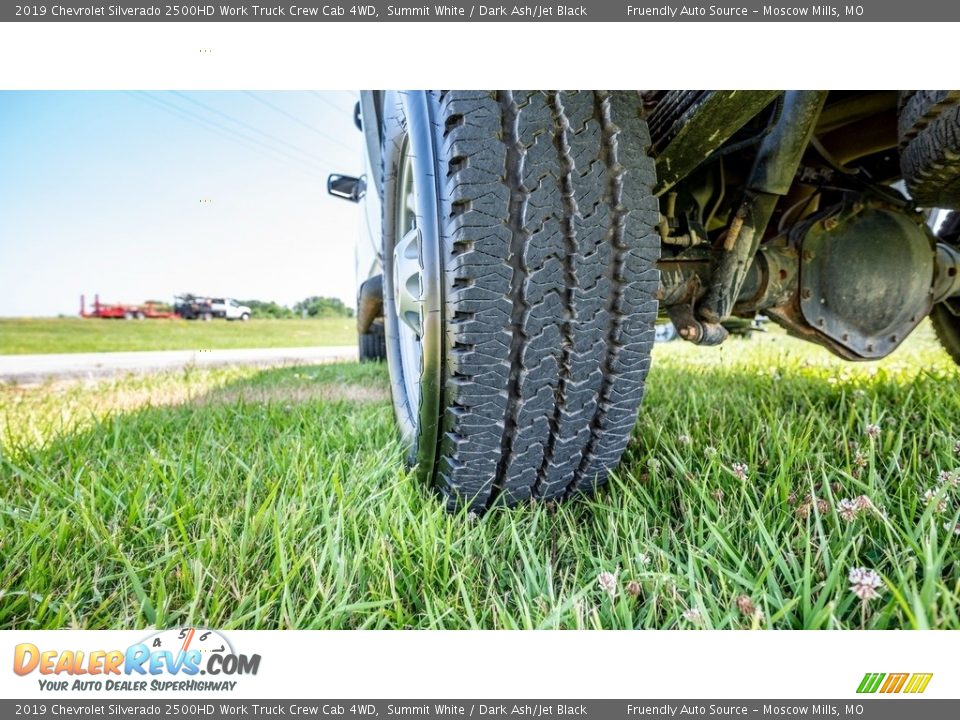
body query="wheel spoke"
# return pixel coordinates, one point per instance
(407, 283)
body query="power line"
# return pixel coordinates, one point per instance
(219, 130)
(297, 120)
(235, 135)
(248, 126)
(324, 99)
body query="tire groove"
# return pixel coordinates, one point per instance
(609, 152)
(565, 182)
(519, 196)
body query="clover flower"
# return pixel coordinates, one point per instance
(932, 498)
(608, 583)
(809, 502)
(865, 583)
(847, 509)
(745, 606)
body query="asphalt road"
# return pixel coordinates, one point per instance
(37, 368)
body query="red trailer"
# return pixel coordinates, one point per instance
(148, 310)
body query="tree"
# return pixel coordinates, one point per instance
(268, 309)
(322, 307)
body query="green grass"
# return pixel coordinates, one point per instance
(245, 498)
(20, 336)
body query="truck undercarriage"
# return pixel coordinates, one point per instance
(792, 213)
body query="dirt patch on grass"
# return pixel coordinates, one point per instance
(67, 397)
(30, 415)
(298, 394)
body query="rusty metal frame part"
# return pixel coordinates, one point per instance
(774, 169)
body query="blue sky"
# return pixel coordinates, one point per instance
(142, 195)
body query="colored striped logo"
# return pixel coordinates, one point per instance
(913, 683)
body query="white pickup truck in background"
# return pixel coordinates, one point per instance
(193, 307)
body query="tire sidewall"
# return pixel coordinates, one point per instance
(947, 327)
(417, 418)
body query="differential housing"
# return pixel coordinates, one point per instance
(866, 277)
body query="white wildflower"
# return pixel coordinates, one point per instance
(865, 583)
(608, 583)
(847, 509)
(932, 498)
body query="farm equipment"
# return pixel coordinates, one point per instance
(148, 310)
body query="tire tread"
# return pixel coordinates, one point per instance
(929, 131)
(551, 272)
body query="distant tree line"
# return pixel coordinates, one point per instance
(313, 307)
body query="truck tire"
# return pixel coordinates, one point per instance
(520, 256)
(373, 345)
(945, 316)
(929, 130)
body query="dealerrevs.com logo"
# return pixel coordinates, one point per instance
(169, 660)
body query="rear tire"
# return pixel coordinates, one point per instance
(373, 345)
(945, 316)
(546, 280)
(929, 130)
(947, 326)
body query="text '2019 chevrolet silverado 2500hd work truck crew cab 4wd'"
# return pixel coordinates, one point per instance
(519, 245)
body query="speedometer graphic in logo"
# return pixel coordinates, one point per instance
(182, 640)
